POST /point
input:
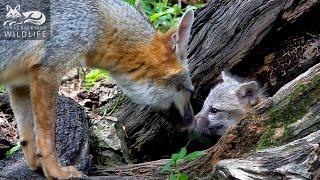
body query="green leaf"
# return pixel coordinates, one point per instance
(173, 177)
(94, 76)
(155, 16)
(174, 157)
(168, 166)
(13, 150)
(169, 11)
(182, 176)
(194, 155)
(182, 153)
(2, 89)
(132, 2)
(155, 10)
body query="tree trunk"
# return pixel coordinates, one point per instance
(271, 41)
(292, 113)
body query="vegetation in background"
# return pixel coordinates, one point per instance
(162, 14)
(2, 89)
(13, 150)
(173, 165)
(94, 76)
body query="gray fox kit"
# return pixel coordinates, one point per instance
(150, 67)
(226, 103)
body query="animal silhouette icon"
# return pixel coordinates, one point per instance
(15, 16)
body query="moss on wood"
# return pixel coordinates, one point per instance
(301, 99)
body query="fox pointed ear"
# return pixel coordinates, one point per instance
(17, 7)
(248, 93)
(181, 37)
(9, 8)
(226, 76)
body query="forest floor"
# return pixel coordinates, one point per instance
(101, 100)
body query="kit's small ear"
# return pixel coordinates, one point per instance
(226, 76)
(248, 93)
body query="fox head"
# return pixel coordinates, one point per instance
(152, 72)
(162, 78)
(13, 13)
(226, 103)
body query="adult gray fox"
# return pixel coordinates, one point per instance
(150, 67)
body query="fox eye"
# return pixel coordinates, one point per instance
(214, 110)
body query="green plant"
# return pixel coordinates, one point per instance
(2, 89)
(132, 2)
(162, 14)
(173, 165)
(94, 76)
(13, 150)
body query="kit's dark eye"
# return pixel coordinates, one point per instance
(214, 110)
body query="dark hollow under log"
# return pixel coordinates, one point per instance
(143, 133)
(284, 53)
(72, 142)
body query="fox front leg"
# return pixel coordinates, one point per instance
(21, 105)
(44, 86)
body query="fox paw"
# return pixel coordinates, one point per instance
(30, 156)
(62, 173)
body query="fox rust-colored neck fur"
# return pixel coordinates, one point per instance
(155, 60)
(150, 67)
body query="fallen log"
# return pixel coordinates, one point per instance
(274, 122)
(72, 142)
(270, 123)
(295, 160)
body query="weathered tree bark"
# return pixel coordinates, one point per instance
(148, 169)
(225, 33)
(292, 113)
(258, 39)
(295, 160)
(72, 142)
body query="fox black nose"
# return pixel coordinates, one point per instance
(190, 89)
